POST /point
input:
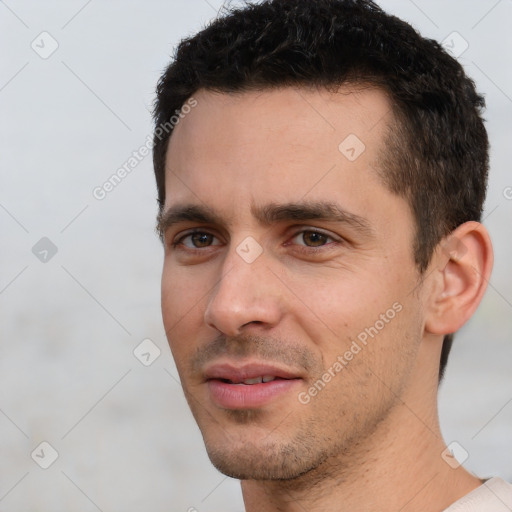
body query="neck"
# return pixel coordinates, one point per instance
(397, 468)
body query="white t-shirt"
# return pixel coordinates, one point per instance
(494, 495)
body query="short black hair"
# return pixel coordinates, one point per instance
(436, 149)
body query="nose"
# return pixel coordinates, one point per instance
(247, 294)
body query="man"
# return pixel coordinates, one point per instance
(321, 171)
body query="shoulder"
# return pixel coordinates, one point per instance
(494, 495)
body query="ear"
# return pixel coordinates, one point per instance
(463, 263)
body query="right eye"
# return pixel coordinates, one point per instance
(196, 240)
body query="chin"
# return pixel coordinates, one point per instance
(267, 460)
(260, 467)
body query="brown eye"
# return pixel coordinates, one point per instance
(201, 239)
(197, 240)
(314, 238)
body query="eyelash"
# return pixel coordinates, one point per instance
(304, 248)
(312, 249)
(179, 241)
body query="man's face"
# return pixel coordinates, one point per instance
(287, 289)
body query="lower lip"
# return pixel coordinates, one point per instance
(248, 396)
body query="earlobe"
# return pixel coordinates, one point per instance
(464, 262)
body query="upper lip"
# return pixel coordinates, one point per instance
(239, 373)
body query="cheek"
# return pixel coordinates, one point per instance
(337, 301)
(340, 307)
(181, 307)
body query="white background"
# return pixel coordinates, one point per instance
(125, 438)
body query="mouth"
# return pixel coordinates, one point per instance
(255, 380)
(249, 386)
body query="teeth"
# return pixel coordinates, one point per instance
(256, 380)
(259, 380)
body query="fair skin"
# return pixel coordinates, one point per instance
(295, 296)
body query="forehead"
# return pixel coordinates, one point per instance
(279, 145)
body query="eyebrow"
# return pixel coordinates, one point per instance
(267, 215)
(304, 211)
(185, 213)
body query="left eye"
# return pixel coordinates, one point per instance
(312, 238)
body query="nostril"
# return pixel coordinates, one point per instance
(253, 322)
